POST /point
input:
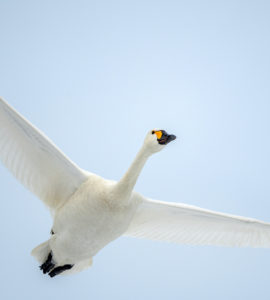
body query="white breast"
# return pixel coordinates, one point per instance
(89, 220)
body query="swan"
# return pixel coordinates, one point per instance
(89, 211)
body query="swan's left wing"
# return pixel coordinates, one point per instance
(35, 161)
(185, 224)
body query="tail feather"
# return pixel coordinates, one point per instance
(41, 252)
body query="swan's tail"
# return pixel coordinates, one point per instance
(41, 252)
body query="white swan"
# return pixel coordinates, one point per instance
(89, 211)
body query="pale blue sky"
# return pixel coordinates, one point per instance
(95, 76)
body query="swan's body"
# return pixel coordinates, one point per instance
(95, 219)
(89, 212)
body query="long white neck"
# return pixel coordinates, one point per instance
(128, 181)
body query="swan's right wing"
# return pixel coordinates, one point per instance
(35, 161)
(186, 224)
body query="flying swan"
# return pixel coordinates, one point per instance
(89, 211)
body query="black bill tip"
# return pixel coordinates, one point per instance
(166, 138)
(171, 137)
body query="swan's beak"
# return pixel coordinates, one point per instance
(164, 138)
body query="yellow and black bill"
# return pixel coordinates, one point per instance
(163, 137)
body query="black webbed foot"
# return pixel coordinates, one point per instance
(59, 270)
(47, 265)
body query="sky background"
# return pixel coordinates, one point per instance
(95, 76)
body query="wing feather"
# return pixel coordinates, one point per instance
(35, 161)
(186, 224)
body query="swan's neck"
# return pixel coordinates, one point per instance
(128, 181)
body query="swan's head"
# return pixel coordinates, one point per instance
(157, 139)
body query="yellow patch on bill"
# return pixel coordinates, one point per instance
(158, 134)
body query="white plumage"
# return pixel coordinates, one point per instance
(186, 224)
(35, 160)
(89, 211)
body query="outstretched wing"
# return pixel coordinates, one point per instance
(35, 161)
(185, 224)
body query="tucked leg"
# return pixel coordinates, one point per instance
(59, 270)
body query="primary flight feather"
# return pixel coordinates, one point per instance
(90, 211)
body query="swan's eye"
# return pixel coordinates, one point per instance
(158, 134)
(153, 131)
